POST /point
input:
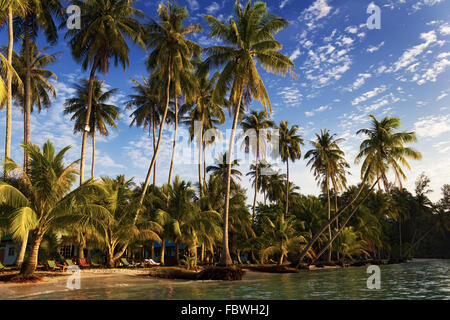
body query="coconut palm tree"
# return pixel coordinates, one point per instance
(206, 113)
(147, 110)
(249, 38)
(220, 169)
(102, 113)
(119, 229)
(102, 37)
(50, 202)
(169, 60)
(383, 150)
(290, 143)
(10, 8)
(326, 160)
(255, 126)
(40, 15)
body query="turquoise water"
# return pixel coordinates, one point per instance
(413, 280)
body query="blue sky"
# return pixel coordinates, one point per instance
(345, 72)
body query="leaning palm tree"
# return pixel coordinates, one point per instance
(41, 15)
(105, 25)
(50, 202)
(169, 60)
(326, 160)
(383, 150)
(147, 111)
(10, 8)
(249, 38)
(255, 127)
(290, 143)
(102, 114)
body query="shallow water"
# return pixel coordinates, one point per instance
(413, 280)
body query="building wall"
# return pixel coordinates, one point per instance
(10, 251)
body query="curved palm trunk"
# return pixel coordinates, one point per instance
(155, 154)
(344, 224)
(87, 120)
(174, 141)
(329, 216)
(225, 259)
(336, 210)
(335, 216)
(27, 93)
(81, 247)
(287, 186)
(93, 153)
(256, 177)
(9, 89)
(29, 265)
(22, 250)
(200, 144)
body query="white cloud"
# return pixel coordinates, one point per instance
(445, 29)
(316, 11)
(291, 96)
(372, 49)
(442, 96)
(295, 54)
(212, 8)
(433, 126)
(359, 81)
(369, 95)
(352, 29)
(283, 3)
(193, 4)
(432, 72)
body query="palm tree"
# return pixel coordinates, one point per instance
(290, 143)
(118, 229)
(170, 56)
(327, 160)
(101, 38)
(41, 15)
(50, 202)
(147, 111)
(382, 150)
(102, 114)
(220, 169)
(255, 125)
(249, 38)
(18, 8)
(207, 113)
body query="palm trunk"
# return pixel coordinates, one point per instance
(287, 186)
(280, 262)
(93, 153)
(154, 148)
(87, 120)
(204, 162)
(337, 219)
(9, 90)
(335, 216)
(225, 259)
(81, 247)
(155, 154)
(27, 93)
(153, 250)
(345, 223)
(329, 216)
(256, 177)
(202, 258)
(163, 249)
(174, 141)
(22, 250)
(400, 235)
(29, 265)
(177, 254)
(200, 161)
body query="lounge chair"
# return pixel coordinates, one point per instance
(69, 262)
(3, 268)
(126, 263)
(83, 263)
(95, 264)
(53, 266)
(151, 262)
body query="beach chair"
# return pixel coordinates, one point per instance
(3, 268)
(69, 262)
(83, 263)
(126, 263)
(95, 264)
(151, 262)
(51, 264)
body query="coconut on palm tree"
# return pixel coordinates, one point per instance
(105, 26)
(249, 39)
(290, 142)
(102, 113)
(50, 202)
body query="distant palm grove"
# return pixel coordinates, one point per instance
(212, 220)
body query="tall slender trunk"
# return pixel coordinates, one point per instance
(200, 144)
(9, 89)
(81, 247)
(27, 93)
(22, 250)
(177, 254)
(163, 250)
(335, 211)
(329, 222)
(87, 120)
(153, 250)
(155, 154)
(93, 153)
(174, 141)
(225, 258)
(154, 147)
(256, 177)
(287, 187)
(204, 162)
(29, 265)
(202, 257)
(329, 216)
